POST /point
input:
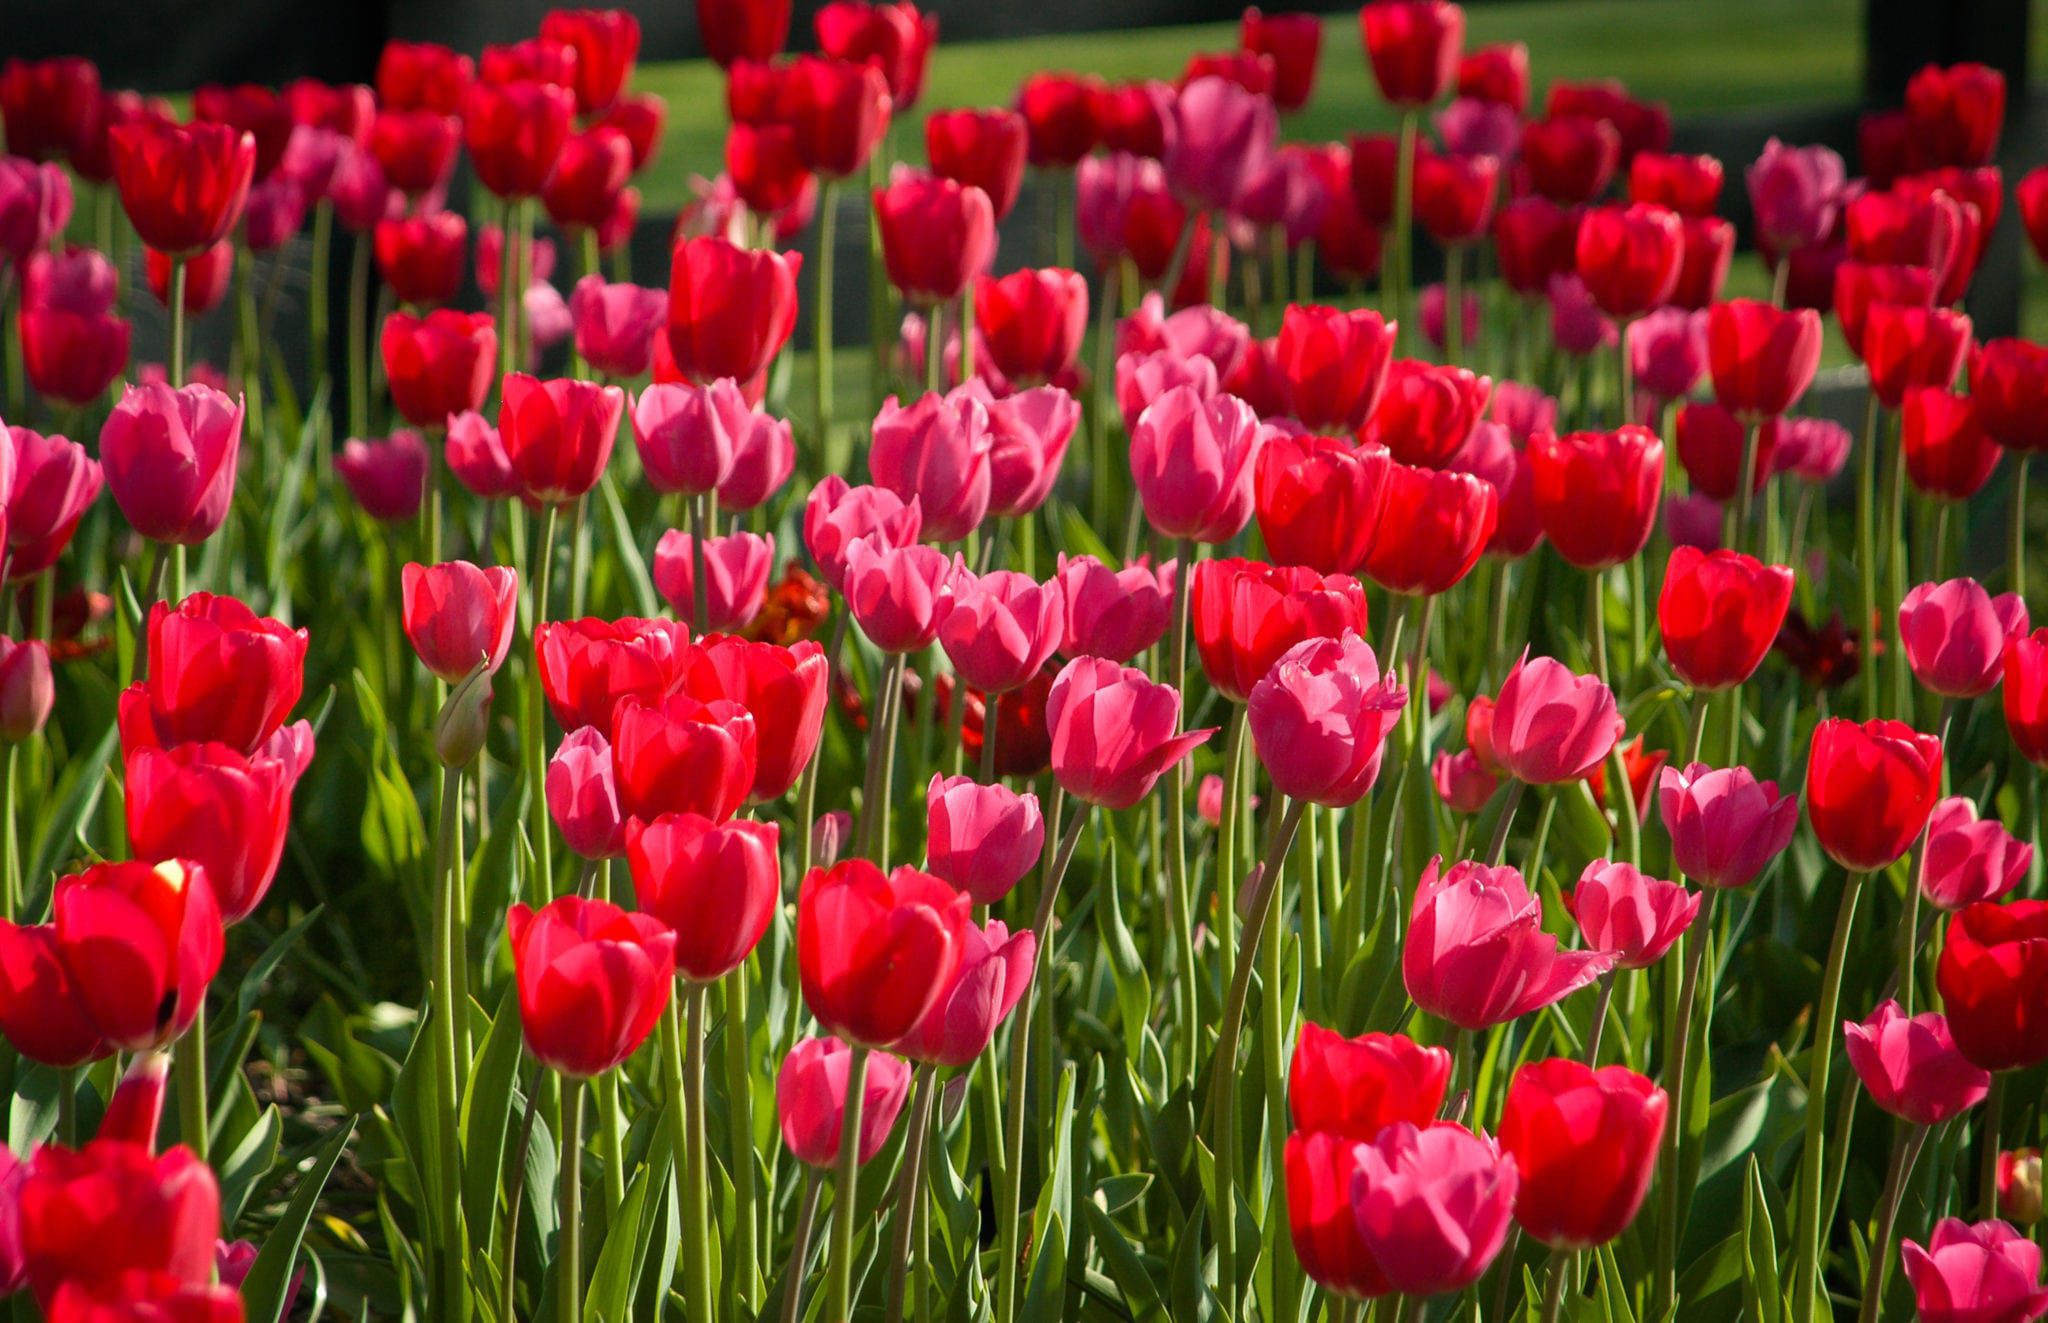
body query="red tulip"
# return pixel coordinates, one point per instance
(589, 172)
(1585, 1143)
(1993, 974)
(1413, 46)
(413, 75)
(2009, 387)
(1134, 118)
(1033, 321)
(589, 667)
(1320, 720)
(984, 148)
(420, 257)
(1629, 256)
(103, 1217)
(1901, 228)
(606, 42)
(1534, 239)
(1709, 244)
(529, 60)
(1248, 614)
(1248, 71)
(716, 885)
(71, 356)
(810, 1100)
(440, 364)
(1955, 113)
(784, 689)
(1318, 500)
(1597, 492)
(212, 806)
(206, 276)
(1431, 531)
(48, 105)
(1427, 412)
(1688, 185)
(2026, 696)
(1335, 364)
(1321, 1171)
(1910, 1065)
(677, 754)
(1497, 74)
(558, 434)
(735, 30)
(259, 111)
(1292, 42)
(875, 949)
(1454, 196)
(1113, 732)
(459, 617)
(895, 38)
(415, 148)
(217, 671)
(1948, 455)
(1908, 347)
(593, 981)
(936, 235)
(515, 132)
(1059, 112)
(183, 187)
(1476, 953)
(140, 942)
(1869, 789)
(1357, 1087)
(1719, 613)
(729, 309)
(1570, 158)
(387, 476)
(840, 110)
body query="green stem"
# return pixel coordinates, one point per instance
(316, 291)
(177, 365)
(910, 1187)
(1553, 1294)
(1600, 1016)
(539, 829)
(839, 1283)
(569, 1188)
(1745, 486)
(10, 899)
(1905, 1154)
(935, 349)
(1895, 580)
(874, 804)
(1987, 1154)
(1866, 543)
(1826, 1025)
(821, 388)
(1180, 919)
(799, 1248)
(2019, 524)
(700, 587)
(610, 1142)
(508, 1276)
(1454, 303)
(966, 338)
(697, 1228)
(1670, 1213)
(359, 337)
(1516, 789)
(1404, 222)
(739, 1110)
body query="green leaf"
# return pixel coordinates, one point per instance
(273, 955)
(249, 1162)
(610, 1297)
(284, 508)
(486, 1116)
(78, 794)
(263, 1290)
(1763, 1300)
(644, 601)
(1048, 1294)
(1125, 1264)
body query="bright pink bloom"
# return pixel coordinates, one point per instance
(1967, 859)
(169, 457)
(982, 839)
(994, 972)
(1192, 462)
(1113, 732)
(736, 570)
(810, 1100)
(936, 451)
(1476, 953)
(1462, 781)
(999, 629)
(1115, 614)
(1320, 720)
(388, 475)
(582, 798)
(897, 594)
(1955, 635)
(1550, 725)
(1725, 825)
(836, 516)
(1620, 908)
(1911, 1066)
(459, 617)
(1975, 1273)
(1432, 1205)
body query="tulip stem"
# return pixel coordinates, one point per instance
(1020, 1048)
(1699, 938)
(1600, 1016)
(700, 587)
(1625, 401)
(1620, 794)
(1905, 1154)
(444, 1012)
(1745, 485)
(189, 1057)
(539, 828)
(1454, 302)
(910, 1188)
(10, 900)
(1180, 917)
(839, 1283)
(508, 1274)
(1101, 401)
(569, 1189)
(739, 1111)
(821, 354)
(1553, 1294)
(966, 337)
(1516, 789)
(1895, 580)
(1826, 1025)
(874, 804)
(1866, 546)
(799, 1248)
(935, 349)
(1987, 1156)
(2019, 524)
(1224, 1068)
(316, 292)
(689, 1064)
(1404, 218)
(991, 725)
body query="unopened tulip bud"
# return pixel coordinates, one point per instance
(464, 721)
(26, 690)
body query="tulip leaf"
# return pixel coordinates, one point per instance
(1763, 1300)
(609, 1298)
(273, 955)
(288, 489)
(1055, 1209)
(77, 796)
(248, 1163)
(1125, 1264)
(486, 1115)
(263, 1290)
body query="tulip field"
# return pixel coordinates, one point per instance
(1344, 728)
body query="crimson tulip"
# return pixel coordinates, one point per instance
(183, 186)
(840, 110)
(1357, 1087)
(1059, 116)
(715, 884)
(459, 617)
(1033, 321)
(1955, 112)
(1909, 347)
(515, 132)
(1431, 531)
(141, 942)
(439, 364)
(1454, 196)
(1248, 614)
(1709, 250)
(680, 754)
(1585, 1144)
(215, 807)
(1497, 73)
(936, 235)
(593, 981)
(421, 74)
(1413, 46)
(875, 949)
(984, 148)
(736, 30)
(606, 42)
(100, 1217)
(1993, 974)
(1292, 42)
(1870, 789)
(416, 149)
(1132, 118)
(1427, 411)
(730, 309)
(588, 668)
(48, 105)
(784, 688)
(1318, 500)
(1570, 158)
(2008, 387)
(590, 170)
(420, 257)
(72, 356)
(1596, 493)
(1629, 256)
(558, 434)
(1719, 613)
(1534, 239)
(895, 38)
(217, 671)
(1335, 364)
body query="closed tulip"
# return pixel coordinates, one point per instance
(984, 148)
(875, 949)
(1948, 454)
(1992, 975)
(936, 451)
(515, 132)
(1667, 353)
(1221, 138)
(1028, 436)
(784, 688)
(43, 1011)
(1115, 614)
(716, 885)
(1143, 377)
(1454, 196)
(1909, 347)
(1292, 42)
(1248, 614)
(1321, 1170)
(993, 973)
(1427, 411)
(217, 671)
(1114, 732)
(687, 435)
(836, 516)
(1719, 612)
(558, 434)
(1910, 1065)
(679, 754)
(1621, 909)
(1433, 1205)
(606, 42)
(1955, 635)
(141, 942)
(1629, 256)
(412, 151)
(35, 206)
(27, 692)
(459, 617)
(729, 308)
(981, 839)
(840, 109)
(1726, 826)
(1689, 185)
(183, 186)
(1596, 493)
(71, 356)
(752, 30)
(1584, 1143)
(100, 1217)
(386, 475)
(1432, 529)
(1413, 47)
(1357, 1087)
(440, 364)
(169, 457)
(937, 235)
(1713, 445)
(1975, 1271)
(1192, 462)
(1476, 953)
(897, 594)
(2008, 384)
(736, 569)
(1570, 158)
(999, 629)
(589, 667)
(420, 257)
(1318, 500)
(810, 1100)
(1059, 114)
(582, 797)
(1869, 789)
(1497, 73)
(1462, 781)
(1955, 112)
(1550, 726)
(616, 324)
(1709, 251)
(48, 105)
(593, 981)
(1033, 321)
(1335, 364)
(1795, 193)
(1967, 859)
(1320, 719)
(215, 807)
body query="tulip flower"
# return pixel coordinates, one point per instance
(875, 950)
(1948, 454)
(27, 692)
(1059, 113)
(1725, 825)
(1795, 192)
(1033, 321)
(1596, 493)
(182, 186)
(840, 109)
(1955, 635)
(937, 235)
(1115, 614)
(1689, 185)
(440, 364)
(1719, 613)
(1142, 378)
(1551, 726)
(1870, 789)
(558, 434)
(70, 355)
(836, 516)
(982, 839)
(1992, 975)
(35, 206)
(730, 309)
(2019, 1185)
(784, 688)
(458, 616)
(935, 451)
(810, 1100)
(1220, 140)
(1966, 860)
(1454, 196)
(897, 594)
(42, 1008)
(2008, 381)
(1909, 347)
(589, 667)
(1335, 364)
(1911, 1066)
(1667, 351)
(753, 30)
(1427, 412)
(420, 257)
(1321, 1171)
(1570, 158)
(715, 884)
(169, 457)
(1955, 112)
(1413, 46)
(1497, 73)
(100, 1217)
(1584, 1144)
(213, 806)
(1320, 719)
(736, 569)
(387, 476)
(140, 942)
(993, 973)
(1292, 42)
(999, 629)
(1630, 256)
(606, 42)
(48, 105)
(687, 435)
(1713, 445)
(54, 483)
(1318, 500)
(2026, 695)
(1476, 953)
(1113, 732)
(1621, 909)
(582, 798)
(217, 671)
(1470, 127)
(593, 981)
(1357, 1087)
(984, 148)
(1972, 1271)
(1192, 463)
(616, 324)
(1433, 1204)
(680, 754)
(1576, 322)
(1709, 251)
(1247, 615)
(515, 132)
(1028, 436)
(1762, 358)
(1461, 781)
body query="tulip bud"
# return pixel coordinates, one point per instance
(26, 690)
(464, 720)
(2019, 1186)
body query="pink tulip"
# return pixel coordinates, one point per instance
(1433, 1205)
(1621, 909)
(615, 324)
(999, 629)
(1462, 781)
(1550, 725)
(582, 798)
(54, 483)
(476, 456)
(35, 205)
(1477, 954)
(1472, 127)
(736, 569)
(1911, 1066)
(1984, 1272)
(1113, 732)
(169, 457)
(897, 594)
(1221, 138)
(1576, 322)
(994, 971)
(686, 434)
(1287, 194)
(1115, 614)
(982, 839)
(1667, 352)
(763, 457)
(1192, 462)
(1814, 449)
(1693, 521)
(1967, 859)
(1143, 378)
(388, 478)
(1209, 800)
(1726, 826)
(1795, 193)
(1203, 331)
(1320, 720)
(936, 450)
(1028, 436)
(458, 615)
(836, 516)
(1955, 635)
(810, 1100)
(1433, 306)
(1523, 410)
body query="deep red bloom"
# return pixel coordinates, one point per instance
(1497, 73)
(734, 30)
(1689, 185)
(1432, 529)
(1427, 411)
(784, 688)
(984, 148)
(1709, 244)
(141, 942)
(183, 186)
(2026, 696)
(1629, 256)
(764, 166)
(1954, 114)
(1249, 71)
(1900, 228)
(840, 110)
(1318, 500)
(1033, 321)
(558, 434)
(1572, 158)
(1993, 977)
(422, 75)
(215, 807)
(72, 356)
(259, 111)
(1322, 1169)
(1293, 42)
(421, 257)
(895, 38)
(1335, 363)
(1907, 347)
(588, 667)
(1644, 126)
(1059, 112)
(415, 148)
(1534, 239)
(606, 42)
(217, 671)
(1948, 454)
(1454, 196)
(1761, 358)
(730, 309)
(1413, 46)
(681, 755)
(937, 235)
(1247, 614)
(1719, 613)
(593, 981)
(1357, 1087)
(715, 884)
(2031, 193)
(1585, 1143)
(440, 364)
(2009, 386)
(1869, 789)
(875, 949)
(515, 132)
(99, 1217)
(1859, 286)
(590, 171)
(48, 105)
(1133, 117)
(1597, 492)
